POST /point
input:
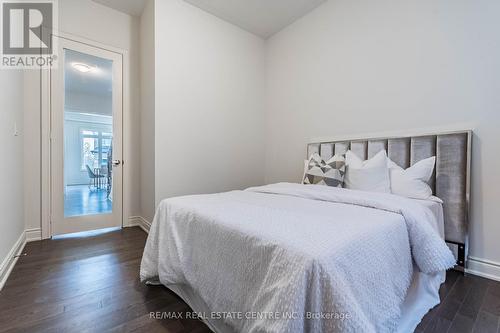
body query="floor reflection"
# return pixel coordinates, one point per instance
(80, 200)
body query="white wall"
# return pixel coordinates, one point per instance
(209, 109)
(88, 103)
(92, 21)
(147, 63)
(11, 168)
(353, 67)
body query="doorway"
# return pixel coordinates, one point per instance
(86, 138)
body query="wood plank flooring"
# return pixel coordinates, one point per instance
(91, 284)
(468, 304)
(81, 200)
(87, 285)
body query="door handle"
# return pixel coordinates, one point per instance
(116, 162)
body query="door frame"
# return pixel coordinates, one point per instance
(46, 130)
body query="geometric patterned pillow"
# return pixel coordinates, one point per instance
(330, 173)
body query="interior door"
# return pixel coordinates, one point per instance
(86, 138)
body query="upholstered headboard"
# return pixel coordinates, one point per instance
(451, 179)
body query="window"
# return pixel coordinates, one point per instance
(95, 147)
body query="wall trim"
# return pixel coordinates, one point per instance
(33, 235)
(139, 221)
(11, 259)
(484, 268)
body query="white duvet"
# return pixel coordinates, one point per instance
(295, 258)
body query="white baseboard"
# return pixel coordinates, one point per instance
(11, 259)
(484, 268)
(139, 221)
(33, 235)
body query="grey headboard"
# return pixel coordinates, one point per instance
(451, 180)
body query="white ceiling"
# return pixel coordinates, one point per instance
(261, 17)
(131, 7)
(96, 84)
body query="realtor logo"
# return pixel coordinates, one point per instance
(27, 33)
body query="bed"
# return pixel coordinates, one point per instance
(307, 258)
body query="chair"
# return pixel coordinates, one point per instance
(94, 179)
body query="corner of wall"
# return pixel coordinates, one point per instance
(139, 221)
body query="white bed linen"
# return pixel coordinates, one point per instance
(423, 293)
(321, 250)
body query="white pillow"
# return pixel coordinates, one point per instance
(412, 182)
(370, 175)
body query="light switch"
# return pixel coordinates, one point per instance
(16, 131)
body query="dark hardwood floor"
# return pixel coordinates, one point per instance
(468, 304)
(87, 285)
(91, 284)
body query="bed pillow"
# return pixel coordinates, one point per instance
(370, 175)
(319, 172)
(412, 182)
